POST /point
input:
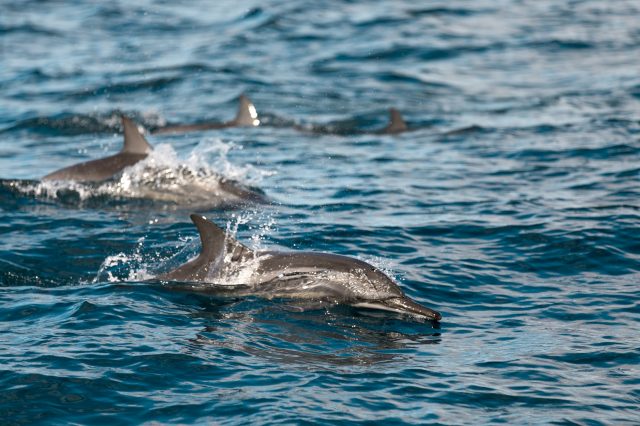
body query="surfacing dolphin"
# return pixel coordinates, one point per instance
(247, 116)
(395, 126)
(311, 276)
(180, 186)
(396, 123)
(135, 149)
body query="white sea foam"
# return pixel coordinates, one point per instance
(125, 267)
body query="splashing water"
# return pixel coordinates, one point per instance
(122, 267)
(213, 154)
(194, 182)
(136, 267)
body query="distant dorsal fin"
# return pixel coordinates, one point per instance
(134, 142)
(396, 122)
(247, 114)
(215, 242)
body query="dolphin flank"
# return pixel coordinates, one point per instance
(312, 276)
(136, 148)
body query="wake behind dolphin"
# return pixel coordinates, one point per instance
(311, 276)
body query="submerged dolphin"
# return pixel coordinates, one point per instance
(136, 148)
(247, 116)
(395, 126)
(291, 275)
(396, 123)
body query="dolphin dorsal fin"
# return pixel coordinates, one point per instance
(396, 122)
(215, 242)
(134, 142)
(247, 114)
(212, 237)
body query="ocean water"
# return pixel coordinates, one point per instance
(512, 207)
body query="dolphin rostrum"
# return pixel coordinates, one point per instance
(135, 148)
(247, 116)
(312, 276)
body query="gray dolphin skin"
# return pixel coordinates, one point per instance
(396, 123)
(135, 148)
(247, 116)
(311, 276)
(226, 193)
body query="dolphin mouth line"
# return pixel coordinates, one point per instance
(402, 305)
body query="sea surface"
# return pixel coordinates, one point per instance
(512, 207)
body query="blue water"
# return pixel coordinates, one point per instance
(512, 208)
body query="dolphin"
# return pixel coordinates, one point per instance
(395, 126)
(247, 116)
(136, 148)
(311, 276)
(190, 188)
(396, 123)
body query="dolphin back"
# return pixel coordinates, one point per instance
(135, 149)
(96, 170)
(215, 246)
